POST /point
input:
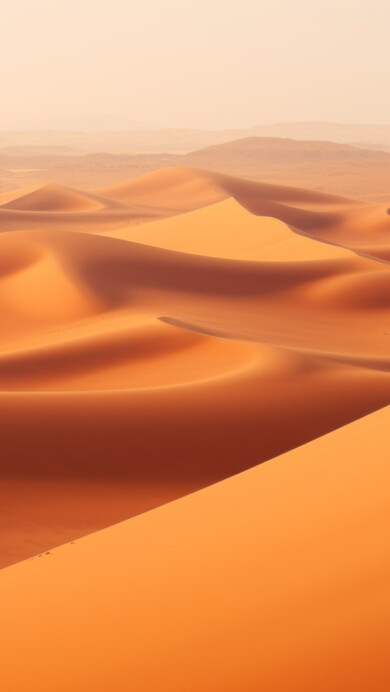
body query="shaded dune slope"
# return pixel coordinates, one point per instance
(285, 567)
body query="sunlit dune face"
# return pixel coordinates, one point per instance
(285, 561)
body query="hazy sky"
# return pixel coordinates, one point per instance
(196, 63)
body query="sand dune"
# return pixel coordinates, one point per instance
(159, 334)
(364, 228)
(274, 579)
(213, 328)
(146, 354)
(237, 234)
(158, 337)
(60, 208)
(51, 198)
(10, 195)
(176, 188)
(185, 187)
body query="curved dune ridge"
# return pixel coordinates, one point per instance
(53, 198)
(237, 234)
(362, 227)
(163, 334)
(285, 567)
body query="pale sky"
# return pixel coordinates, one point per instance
(196, 63)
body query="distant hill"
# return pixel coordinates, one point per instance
(378, 135)
(270, 148)
(326, 166)
(126, 137)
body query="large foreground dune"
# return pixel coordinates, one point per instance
(275, 579)
(164, 333)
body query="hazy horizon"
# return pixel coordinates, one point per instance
(117, 123)
(195, 64)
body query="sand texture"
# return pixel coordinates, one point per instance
(164, 333)
(275, 579)
(194, 391)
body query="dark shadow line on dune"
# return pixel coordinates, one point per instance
(364, 255)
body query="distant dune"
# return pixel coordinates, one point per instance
(166, 332)
(52, 198)
(275, 579)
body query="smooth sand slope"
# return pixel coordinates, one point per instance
(141, 362)
(236, 234)
(275, 579)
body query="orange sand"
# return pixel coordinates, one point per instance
(275, 579)
(162, 334)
